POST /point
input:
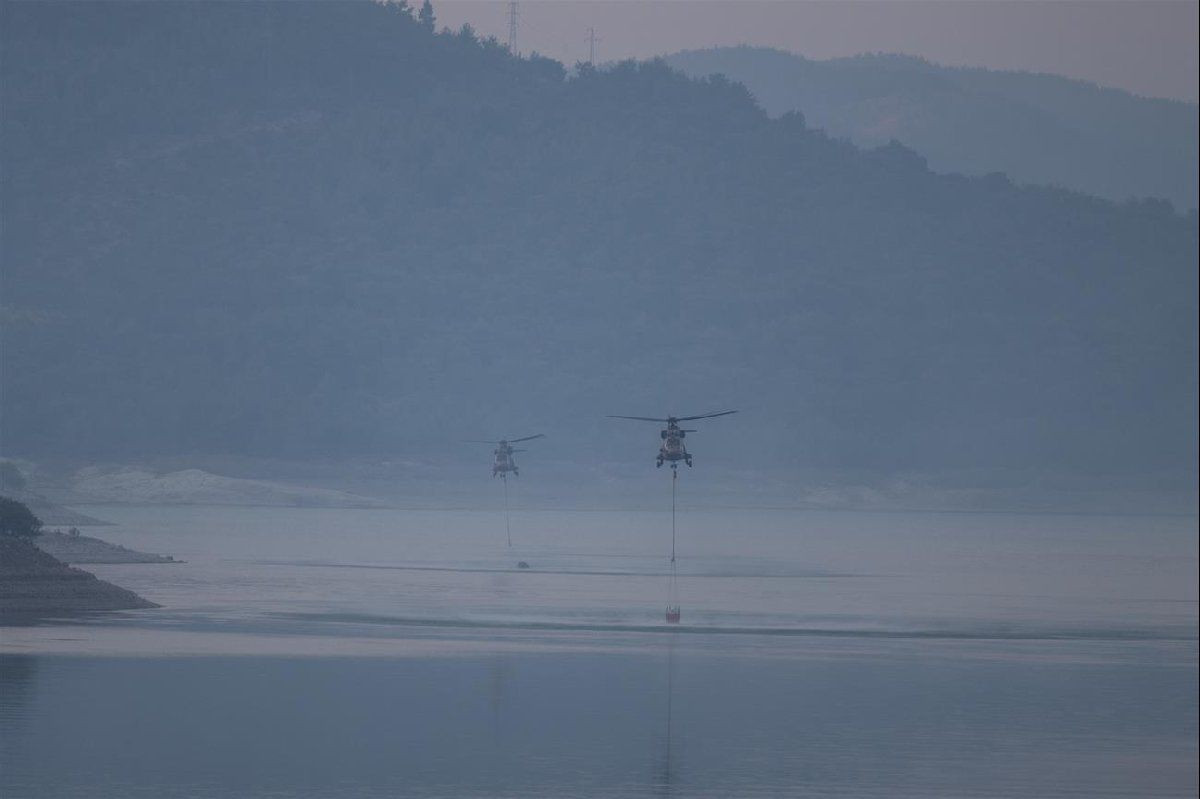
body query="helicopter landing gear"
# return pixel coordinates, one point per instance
(688, 461)
(658, 464)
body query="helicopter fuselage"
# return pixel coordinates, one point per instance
(672, 449)
(504, 462)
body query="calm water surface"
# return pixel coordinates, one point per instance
(371, 653)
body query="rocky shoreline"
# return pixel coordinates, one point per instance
(36, 584)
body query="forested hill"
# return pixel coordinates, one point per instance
(322, 230)
(1035, 128)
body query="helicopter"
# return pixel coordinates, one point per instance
(672, 448)
(504, 462)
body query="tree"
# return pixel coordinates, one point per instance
(425, 16)
(11, 478)
(17, 520)
(882, 314)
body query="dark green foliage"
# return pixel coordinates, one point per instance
(17, 520)
(365, 238)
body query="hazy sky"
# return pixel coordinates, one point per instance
(1146, 46)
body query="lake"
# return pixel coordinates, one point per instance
(372, 653)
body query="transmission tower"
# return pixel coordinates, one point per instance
(592, 46)
(512, 26)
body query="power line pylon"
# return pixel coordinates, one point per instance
(512, 26)
(592, 46)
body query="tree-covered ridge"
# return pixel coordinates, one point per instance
(1036, 128)
(321, 229)
(17, 520)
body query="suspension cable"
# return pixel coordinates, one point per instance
(507, 525)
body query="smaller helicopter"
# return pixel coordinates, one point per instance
(504, 462)
(672, 448)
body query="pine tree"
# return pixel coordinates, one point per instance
(425, 16)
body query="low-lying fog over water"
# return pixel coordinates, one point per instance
(372, 653)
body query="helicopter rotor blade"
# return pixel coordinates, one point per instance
(526, 438)
(478, 441)
(639, 418)
(703, 416)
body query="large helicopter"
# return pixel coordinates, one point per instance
(504, 462)
(672, 449)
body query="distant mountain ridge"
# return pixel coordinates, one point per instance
(321, 230)
(1036, 128)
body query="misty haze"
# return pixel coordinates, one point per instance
(387, 409)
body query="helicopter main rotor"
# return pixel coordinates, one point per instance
(672, 449)
(504, 451)
(504, 440)
(674, 420)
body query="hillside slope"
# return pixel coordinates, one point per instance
(306, 230)
(33, 583)
(1033, 127)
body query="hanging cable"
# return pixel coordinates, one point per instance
(674, 477)
(507, 526)
(673, 590)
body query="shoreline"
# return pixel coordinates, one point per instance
(34, 584)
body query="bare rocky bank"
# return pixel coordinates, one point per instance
(34, 583)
